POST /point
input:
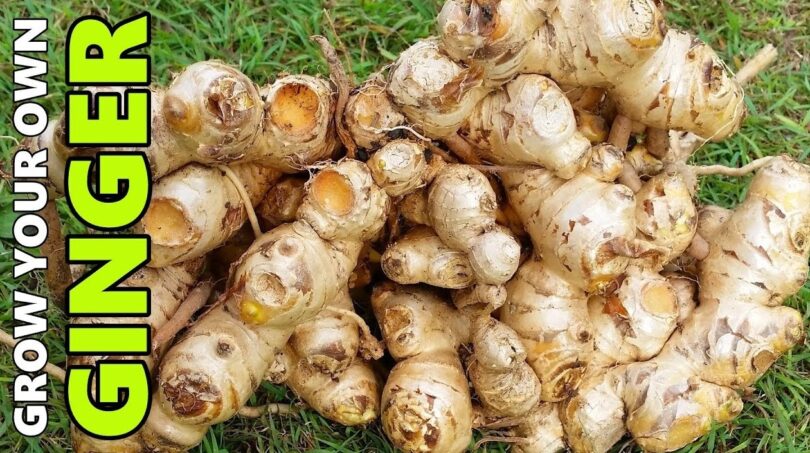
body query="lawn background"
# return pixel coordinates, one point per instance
(265, 38)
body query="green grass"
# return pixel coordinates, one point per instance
(269, 37)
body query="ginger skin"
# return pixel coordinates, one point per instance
(728, 342)
(420, 256)
(665, 80)
(186, 220)
(371, 116)
(529, 121)
(432, 90)
(432, 411)
(423, 410)
(462, 209)
(327, 370)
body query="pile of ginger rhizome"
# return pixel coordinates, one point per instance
(511, 201)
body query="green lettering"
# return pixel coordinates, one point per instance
(107, 127)
(123, 398)
(121, 257)
(123, 189)
(108, 339)
(99, 54)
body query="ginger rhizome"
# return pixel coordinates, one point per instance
(223, 363)
(664, 79)
(540, 431)
(213, 114)
(504, 383)
(529, 121)
(490, 34)
(461, 207)
(550, 316)
(187, 219)
(420, 256)
(426, 402)
(286, 125)
(584, 228)
(328, 366)
(281, 202)
(436, 93)
(371, 117)
(666, 213)
(285, 278)
(402, 166)
(298, 123)
(757, 258)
